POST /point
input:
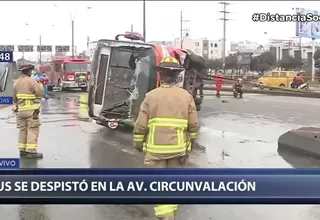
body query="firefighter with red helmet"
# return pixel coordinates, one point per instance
(27, 93)
(167, 126)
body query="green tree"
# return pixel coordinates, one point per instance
(316, 58)
(214, 64)
(262, 63)
(316, 55)
(290, 63)
(267, 58)
(254, 63)
(231, 62)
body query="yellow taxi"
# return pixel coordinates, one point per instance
(277, 78)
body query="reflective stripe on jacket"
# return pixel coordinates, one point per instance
(27, 93)
(175, 126)
(162, 210)
(29, 103)
(167, 121)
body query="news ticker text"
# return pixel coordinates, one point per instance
(153, 186)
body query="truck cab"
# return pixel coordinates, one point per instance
(69, 73)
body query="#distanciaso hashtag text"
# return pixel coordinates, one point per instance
(269, 17)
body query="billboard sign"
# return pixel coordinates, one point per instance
(25, 48)
(6, 47)
(305, 28)
(44, 48)
(244, 58)
(61, 48)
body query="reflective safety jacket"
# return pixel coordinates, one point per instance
(167, 122)
(27, 93)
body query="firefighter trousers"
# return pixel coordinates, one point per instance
(169, 211)
(29, 127)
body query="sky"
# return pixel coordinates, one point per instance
(105, 19)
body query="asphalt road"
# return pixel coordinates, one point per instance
(234, 133)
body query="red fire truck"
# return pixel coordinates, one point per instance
(68, 73)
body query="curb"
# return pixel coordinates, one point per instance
(305, 94)
(305, 140)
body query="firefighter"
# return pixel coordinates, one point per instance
(219, 81)
(237, 88)
(27, 93)
(166, 127)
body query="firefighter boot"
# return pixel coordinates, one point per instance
(241, 95)
(23, 153)
(33, 155)
(166, 218)
(235, 94)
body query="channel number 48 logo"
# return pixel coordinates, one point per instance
(6, 56)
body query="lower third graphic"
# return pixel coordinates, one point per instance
(6, 100)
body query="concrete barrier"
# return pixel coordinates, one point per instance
(305, 140)
(275, 92)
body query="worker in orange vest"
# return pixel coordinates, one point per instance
(219, 82)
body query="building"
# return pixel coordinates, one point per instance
(247, 47)
(208, 49)
(291, 47)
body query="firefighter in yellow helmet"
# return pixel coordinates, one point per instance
(166, 127)
(27, 93)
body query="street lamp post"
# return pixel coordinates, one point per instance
(72, 17)
(72, 35)
(40, 43)
(144, 20)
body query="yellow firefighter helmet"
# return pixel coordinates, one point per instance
(170, 63)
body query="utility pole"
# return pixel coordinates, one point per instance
(182, 29)
(88, 46)
(224, 19)
(72, 35)
(144, 20)
(40, 44)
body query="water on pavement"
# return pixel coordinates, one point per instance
(234, 133)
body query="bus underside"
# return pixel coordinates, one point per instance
(122, 75)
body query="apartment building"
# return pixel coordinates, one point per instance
(248, 47)
(208, 49)
(282, 48)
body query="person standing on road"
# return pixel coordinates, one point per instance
(166, 127)
(43, 79)
(27, 93)
(219, 80)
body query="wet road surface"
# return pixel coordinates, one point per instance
(235, 133)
